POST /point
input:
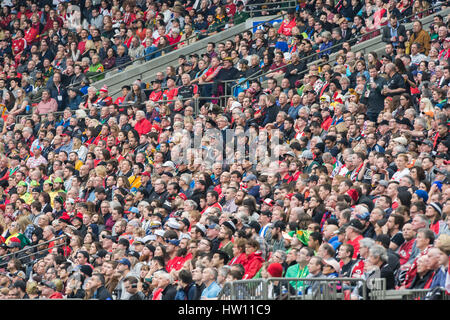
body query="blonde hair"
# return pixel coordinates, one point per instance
(23, 222)
(90, 45)
(101, 171)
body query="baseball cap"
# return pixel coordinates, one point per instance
(125, 261)
(355, 223)
(23, 184)
(100, 254)
(172, 223)
(49, 284)
(212, 226)
(159, 233)
(307, 154)
(230, 225)
(169, 164)
(175, 242)
(201, 227)
(428, 142)
(341, 230)
(384, 183)
(250, 177)
(254, 225)
(401, 140)
(269, 202)
(333, 263)
(150, 237)
(363, 216)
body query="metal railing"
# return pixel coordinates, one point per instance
(142, 58)
(113, 93)
(318, 52)
(282, 288)
(324, 289)
(196, 106)
(260, 74)
(267, 7)
(28, 251)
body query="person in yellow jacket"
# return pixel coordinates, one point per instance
(135, 179)
(22, 191)
(48, 187)
(58, 184)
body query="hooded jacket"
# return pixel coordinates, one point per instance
(252, 264)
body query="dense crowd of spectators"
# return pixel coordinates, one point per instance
(332, 169)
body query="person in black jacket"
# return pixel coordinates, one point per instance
(372, 94)
(199, 192)
(97, 283)
(131, 286)
(294, 69)
(186, 287)
(394, 32)
(165, 283)
(57, 90)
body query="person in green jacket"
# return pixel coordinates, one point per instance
(95, 68)
(240, 16)
(300, 270)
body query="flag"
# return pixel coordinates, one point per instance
(303, 236)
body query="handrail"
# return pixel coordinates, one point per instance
(258, 288)
(27, 248)
(327, 49)
(99, 74)
(130, 105)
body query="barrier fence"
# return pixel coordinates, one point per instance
(29, 251)
(320, 289)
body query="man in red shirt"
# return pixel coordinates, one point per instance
(171, 92)
(157, 93)
(31, 32)
(353, 235)
(125, 90)
(287, 24)
(212, 201)
(405, 250)
(142, 125)
(19, 43)
(230, 8)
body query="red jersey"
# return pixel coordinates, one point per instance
(143, 126)
(211, 71)
(170, 94)
(286, 27)
(18, 45)
(119, 100)
(31, 35)
(156, 96)
(175, 263)
(355, 244)
(215, 205)
(405, 250)
(230, 9)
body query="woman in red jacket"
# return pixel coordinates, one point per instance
(254, 260)
(239, 255)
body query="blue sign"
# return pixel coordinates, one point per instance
(260, 23)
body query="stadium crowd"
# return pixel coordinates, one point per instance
(337, 168)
